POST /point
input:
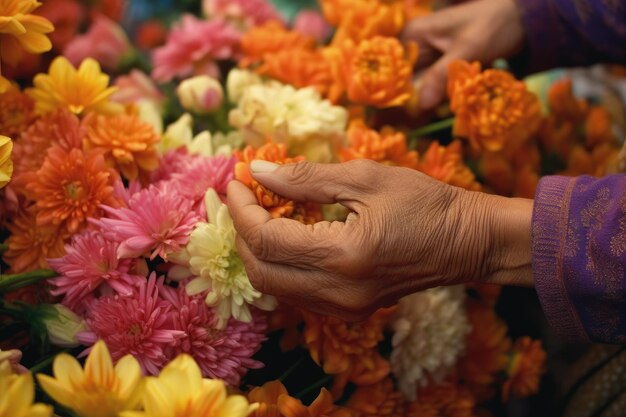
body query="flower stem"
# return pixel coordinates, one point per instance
(4, 247)
(44, 364)
(291, 369)
(433, 127)
(319, 384)
(16, 281)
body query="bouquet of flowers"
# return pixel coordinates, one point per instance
(116, 148)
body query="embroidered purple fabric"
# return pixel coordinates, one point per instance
(573, 32)
(579, 256)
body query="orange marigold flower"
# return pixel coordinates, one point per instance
(277, 206)
(286, 318)
(378, 400)
(491, 107)
(298, 67)
(564, 105)
(274, 401)
(30, 245)
(70, 187)
(377, 71)
(526, 182)
(387, 147)
(445, 163)
(17, 113)
(60, 128)
(128, 143)
(486, 348)
(579, 162)
(366, 19)
(270, 38)
(342, 348)
(598, 127)
(445, 400)
(526, 366)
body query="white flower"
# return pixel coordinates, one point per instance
(177, 134)
(299, 118)
(214, 260)
(201, 94)
(430, 329)
(238, 81)
(207, 144)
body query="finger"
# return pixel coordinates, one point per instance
(244, 209)
(421, 30)
(348, 183)
(435, 80)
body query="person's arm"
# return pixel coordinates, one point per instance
(579, 256)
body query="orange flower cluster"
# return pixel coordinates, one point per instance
(378, 400)
(445, 163)
(261, 42)
(491, 106)
(445, 400)
(387, 146)
(592, 153)
(348, 350)
(17, 112)
(277, 206)
(526, 366)
(128, 143)
(300, 68)
(274, 401)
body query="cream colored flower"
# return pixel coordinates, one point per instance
(214, 260)
(299, 118)
(63, 326)
(207, 144)
(430, 328)
(238, 81)
(200, 94)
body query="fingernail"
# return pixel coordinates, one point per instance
(258, 166)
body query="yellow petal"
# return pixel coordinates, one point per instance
(35, 42)
(21, 392)
(60, 393)
(99, 367)
(234, 406)
(67, 370)
(128, 372)
(158, 401)
(40, 410)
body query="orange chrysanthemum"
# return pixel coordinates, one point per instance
(598, 127)
(348, 350)
(128, 143)
(445, 163)
(277, 206)
(365, 19)
(17, 112)
(491, 107)
(298, 67)
(445, 400)
(387, 147)
(286, 318)
(70, 187)
(563, 103)
(30, 245)
(378, 400)
(377, 71)
(274, 401)
(525, 369)
(60, 128)
(270, 38)
(486, 349)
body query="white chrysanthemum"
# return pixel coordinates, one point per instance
(238, 81)
(214, 260)
(299, 118)
(430, 328)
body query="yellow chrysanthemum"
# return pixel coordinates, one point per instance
(180, 391)
(81, 91)
(214, 260)
(6, 163)
(100, 390)
(18, 392)
(21, 31)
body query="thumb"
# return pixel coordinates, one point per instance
(318, 183)
(434, 81)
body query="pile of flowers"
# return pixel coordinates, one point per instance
(116, 149)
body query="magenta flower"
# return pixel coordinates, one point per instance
(203, 173)
(246, 13)
(192, 48)
(173, 161)
(221, 353)
(91, 268)
(140, 325)
(157, 221)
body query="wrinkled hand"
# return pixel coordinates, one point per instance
(406, 232)
(480, 30)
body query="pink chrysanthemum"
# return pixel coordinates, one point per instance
(157, 221)
(224, 354)
(246, 13)
(172, 162)
(89, 269)
(140, 324)
(193, 46)
(124, 194)
(204, 173)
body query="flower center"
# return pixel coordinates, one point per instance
(134, 329)
(73, 190)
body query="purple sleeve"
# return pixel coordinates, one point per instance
(579, 256)
(573, 32)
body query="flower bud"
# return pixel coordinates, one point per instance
(201, 94)
(63, 325)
